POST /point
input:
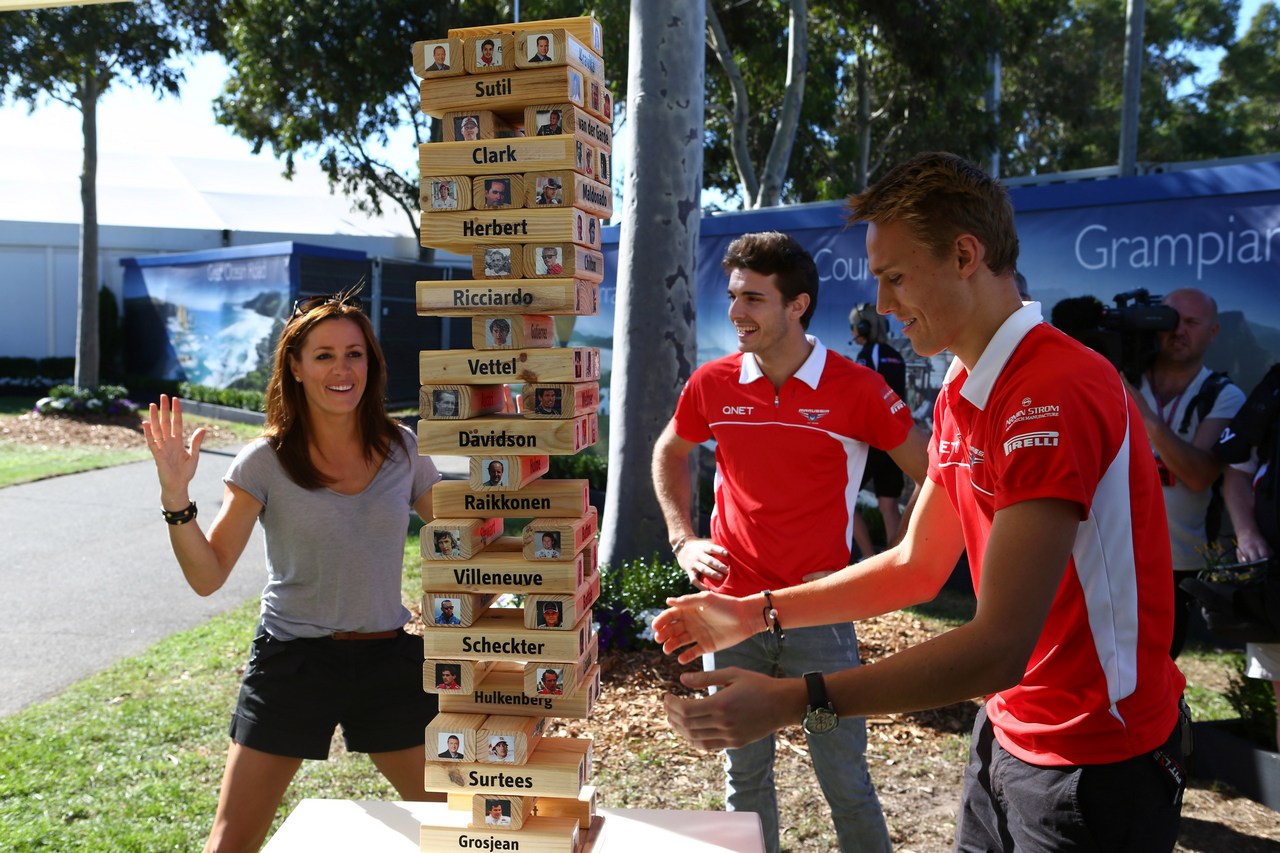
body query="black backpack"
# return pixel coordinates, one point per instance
(1201, 404)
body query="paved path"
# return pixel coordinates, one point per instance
(87, 577)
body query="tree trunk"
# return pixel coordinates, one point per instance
(741, 105)
(864, 121)
(784, 134)
(654, 349)
(87, 302)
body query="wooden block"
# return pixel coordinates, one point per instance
(604, 171)
(502, 692)
(459, 402)
(497, 262)
(567, 187)
(581, 808)
(559, 611)
(554, 772)
(445, 192)
(571, 746)
(510, 739)
(540, 121)
(500, 633)
(474, 125)
(498, 192)
(547, 189)
(453, 831)
(506, 473)
(472, 367)
(450, 735)
(556, 679)
(465, 538)
(462, 231)
(559, 400)
(511, 434)
(599, 103)
(455, 499)
(444, 677)
(438, 58)
(555, 46)
(504, 90)
(585, 28)
(584, 162)
(547, 296)
(514, 331)
(524, 154)
(559, 538)
(449, 610)
(586, 229)
(502, 568)
(490, 53)
(501, 812)
(563, 259)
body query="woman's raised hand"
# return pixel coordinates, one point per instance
(175, 462)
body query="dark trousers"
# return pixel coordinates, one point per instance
(1008, 804)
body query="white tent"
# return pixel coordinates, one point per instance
(149, 204)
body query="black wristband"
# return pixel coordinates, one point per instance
(771, 616)
(182, 516)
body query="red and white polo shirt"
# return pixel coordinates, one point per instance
(788, 465)
(1041, 416)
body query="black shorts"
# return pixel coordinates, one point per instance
(295, 692)
(884, 473)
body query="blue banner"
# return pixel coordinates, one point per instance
(1216, 229)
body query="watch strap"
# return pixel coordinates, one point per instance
(817, 687)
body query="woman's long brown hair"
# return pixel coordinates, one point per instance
(287, 427)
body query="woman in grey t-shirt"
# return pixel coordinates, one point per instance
(332, 482)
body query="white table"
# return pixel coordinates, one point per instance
(377, 826)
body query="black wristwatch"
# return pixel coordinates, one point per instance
(821, 716)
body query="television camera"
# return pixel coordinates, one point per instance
(1127, 334)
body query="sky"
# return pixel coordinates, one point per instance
(136, 121)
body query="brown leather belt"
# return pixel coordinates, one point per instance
(373, 635)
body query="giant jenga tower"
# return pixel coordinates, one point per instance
(519, 183)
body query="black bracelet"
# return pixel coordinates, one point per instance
(771, 616)
(182, 516)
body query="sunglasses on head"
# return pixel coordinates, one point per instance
(347, 298)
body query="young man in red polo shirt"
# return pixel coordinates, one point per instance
(792, 423)
(1039, 466)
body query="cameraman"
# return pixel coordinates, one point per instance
(1251, 449)
(1184, 408)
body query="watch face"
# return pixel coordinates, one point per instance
(818, 721)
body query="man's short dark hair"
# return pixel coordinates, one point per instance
(775, 253)
(486, 43)
(939, 196)
(500, 325)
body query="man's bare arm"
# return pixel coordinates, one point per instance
(909, 573)
(912, 455)
(671, 483)
(986, 655)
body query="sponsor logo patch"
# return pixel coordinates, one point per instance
(814, 415)
(1031, 413)
(1031, 439)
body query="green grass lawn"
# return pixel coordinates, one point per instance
(132, 758)
(25, 462)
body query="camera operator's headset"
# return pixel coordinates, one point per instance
(862, 326)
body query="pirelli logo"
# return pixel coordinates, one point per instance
(1031, 439)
